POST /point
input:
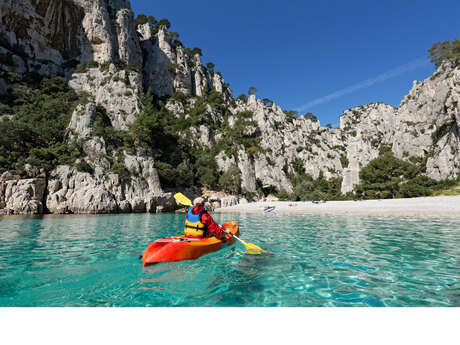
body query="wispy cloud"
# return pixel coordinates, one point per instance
(420, 62)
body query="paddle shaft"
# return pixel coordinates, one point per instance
(229, 233)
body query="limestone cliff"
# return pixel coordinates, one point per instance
(168, 69)
(52, 36)
(425, 125)
(106, 56)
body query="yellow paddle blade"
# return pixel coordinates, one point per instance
(252, 248)
(182, 199)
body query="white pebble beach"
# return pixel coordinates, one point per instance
(429, 206)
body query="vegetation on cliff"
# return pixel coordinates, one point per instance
(445, 51)
(35, 117)
(392, 177)
(396, 178)
(35, 114)
(181, 160)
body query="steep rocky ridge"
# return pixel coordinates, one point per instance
(168, 69)
(51, 37)
(72, 191)
(409, 129)
(267, 145)
(424, 126)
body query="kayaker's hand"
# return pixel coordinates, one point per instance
(224, 232)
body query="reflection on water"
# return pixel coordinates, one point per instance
(308, 261)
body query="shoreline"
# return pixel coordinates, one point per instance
(424, 206)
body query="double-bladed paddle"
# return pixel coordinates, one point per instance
(252, 248)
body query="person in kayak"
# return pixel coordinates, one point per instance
(199, 223)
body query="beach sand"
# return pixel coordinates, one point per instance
(441, 205)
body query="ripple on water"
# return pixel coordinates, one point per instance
(338, 261)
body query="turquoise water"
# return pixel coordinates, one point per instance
(310, 261)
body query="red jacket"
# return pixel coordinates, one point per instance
(207, 220)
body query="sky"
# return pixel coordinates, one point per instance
(322, 56)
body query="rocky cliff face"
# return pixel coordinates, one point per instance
(58, 32)
(168, 69)
(50, 38)
(102, 191)
(425, 125)
(21, 196)
(118, 91)
(124, 60)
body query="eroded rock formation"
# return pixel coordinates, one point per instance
(51, 37)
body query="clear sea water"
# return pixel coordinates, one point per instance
(311, 261)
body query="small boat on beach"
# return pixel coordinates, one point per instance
(269, 209)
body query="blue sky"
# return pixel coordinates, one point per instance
(314, 56)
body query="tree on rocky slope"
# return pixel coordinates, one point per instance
(445, 51)
(35, 131)
(231, 180)
(143, 19)
(252, 90)
(393, 177)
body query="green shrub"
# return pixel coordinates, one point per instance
(445, 51)
(164, 23)
(143, 19)
(36, 134)
(243, 98)
(83, 166)
(171, 36)
(120, 65)
(268, 102)
(206, 168)
(230, 180)
(297, 165)
(307, 188)
(85, 66)
(385, 148)
(167, 174)
(252, 90)
(192, 52)
(239, 133)
(291, 114)
(12, 78)
(310, 116)
(119, 168)
(385, 169)
(5, 109)
(210, 66)
(397, 178)
(441, 131)
(180, 97)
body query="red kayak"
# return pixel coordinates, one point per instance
(185, 247)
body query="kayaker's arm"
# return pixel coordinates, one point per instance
(212, 226)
